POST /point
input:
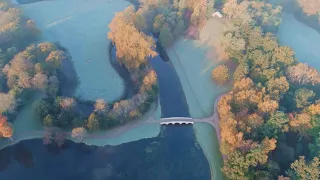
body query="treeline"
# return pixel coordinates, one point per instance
(168, 19)
(273, 108)
(25, 68)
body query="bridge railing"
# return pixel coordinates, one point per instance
(175, 118)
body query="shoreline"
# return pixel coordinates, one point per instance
(116, 131)
(89, 137)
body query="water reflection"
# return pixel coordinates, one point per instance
(172, 155)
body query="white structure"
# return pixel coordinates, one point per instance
(176, 122)
(218, 14)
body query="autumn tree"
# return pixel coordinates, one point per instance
(5, 128)
(93, 122)
(303, 74)
(268, 105)
(158, 23)
(303, 97)
(7, 102)
(302, 170)
(301, 123)
(284, 55)
(278, 87)
(101, 106)
(241, 71)
(221, 74)
(310, 7)
(133, 47)
(78, 132)
(314, 109)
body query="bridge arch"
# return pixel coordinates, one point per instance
(176, 122)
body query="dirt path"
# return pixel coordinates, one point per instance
(214, 119)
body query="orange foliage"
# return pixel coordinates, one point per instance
(133, 47)
(310, 7)
(269, 145)
(5, 128)
(314, 109)
(300, 122)
(268, 106)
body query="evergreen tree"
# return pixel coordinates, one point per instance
(165, 36)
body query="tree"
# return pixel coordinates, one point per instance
(310, 7)
(93, 122)
(314, 109)
(67, 103)
(140, 22)
(133, 47)
(276, 124)
(303, 74)
(48, 121)
(303, 97)
(268, 106)
(40, 81)
(301, 123)
(221, 74)
(236, 166)
(53, 85)
(302, 170)
(241, 71)
(5, 128)
(278, 86)
(78, 132)
(158, 23)
(7, 103)
(165, 36)
(210, 9)
(284, 55)
(101, 106)
(54, 60)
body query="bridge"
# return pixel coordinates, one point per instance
(180, 121)
(175, 120)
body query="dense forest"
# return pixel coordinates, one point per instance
(270, 119)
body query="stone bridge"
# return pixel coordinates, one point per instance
(175, 120)
(180, 121)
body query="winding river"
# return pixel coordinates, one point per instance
(171, 155)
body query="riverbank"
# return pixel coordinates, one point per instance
(128, 132)
(194, 61)
(208, 135)
(305, 42)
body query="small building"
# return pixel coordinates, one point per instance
(218, 14)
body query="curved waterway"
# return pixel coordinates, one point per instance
(173, 154)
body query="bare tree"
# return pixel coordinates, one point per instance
(303, 74)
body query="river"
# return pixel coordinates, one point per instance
(173, 154)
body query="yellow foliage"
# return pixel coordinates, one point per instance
(133, 47)
(301, 122)
(314, 109)
(268, 106)
(221, 74)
